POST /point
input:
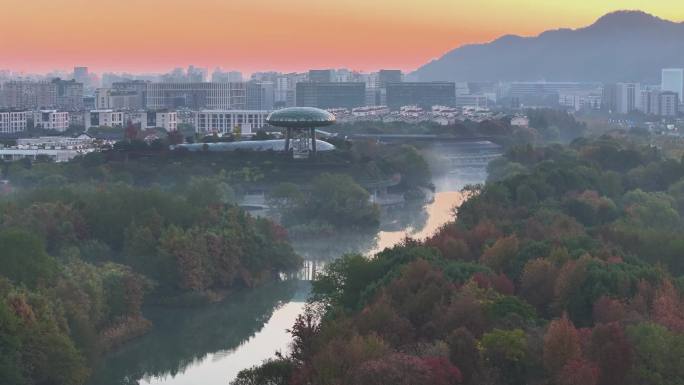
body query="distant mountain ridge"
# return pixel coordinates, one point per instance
(619, 46)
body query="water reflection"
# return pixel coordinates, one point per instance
(209, 344)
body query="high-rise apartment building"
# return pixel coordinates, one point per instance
(23, 94)
(321, 76)
(195, 96)
(628, 97)
(286, 88)
(331, 95)
(81, 75)
(68, 95)
(672, 80)
(108, 98)
(57, 93)
(219, 76)
(660, 103)
(389, 76)
(260, 95)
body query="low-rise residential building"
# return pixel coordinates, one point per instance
(168, 120)
(580, 101)
(13, 122)
(51, 120)
(104, 118)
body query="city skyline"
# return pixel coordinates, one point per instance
(116, 36)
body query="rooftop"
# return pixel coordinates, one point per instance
(300, 117)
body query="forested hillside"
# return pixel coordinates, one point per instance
(79, 259)
(565, 268)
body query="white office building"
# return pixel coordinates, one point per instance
(229, 121)
(13, 122)
(51, 120)
(672, 80)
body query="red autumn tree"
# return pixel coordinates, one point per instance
(537, 283)
(611, 350)
(501, 253)
(608, 310)
(578, 372)
(561, 345)
(668, 309)
(396, 369)
(442, 371)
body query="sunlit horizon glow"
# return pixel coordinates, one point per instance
(261, 35)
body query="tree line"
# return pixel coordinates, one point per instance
(80, 257)
(565, 268)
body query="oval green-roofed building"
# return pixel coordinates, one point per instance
(300, 117)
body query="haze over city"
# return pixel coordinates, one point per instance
(158, 35)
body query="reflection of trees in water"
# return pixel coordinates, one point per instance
(182, 336)
(411, 216)
(318, 252)
(327, 248)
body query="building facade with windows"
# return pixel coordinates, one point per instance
(229, 121)
(51, 120)
(660, 103)
(672, 80)
(196, 96)
(331, 94)
(628, 97)
(104, 118)
(168, 120)
(21, 94)
(13, 122)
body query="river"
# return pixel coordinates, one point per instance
(209, 345)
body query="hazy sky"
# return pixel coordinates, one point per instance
(288, 35)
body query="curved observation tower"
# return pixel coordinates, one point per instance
(300, 124)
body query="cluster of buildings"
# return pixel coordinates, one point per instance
(664, 100)
(225, 102)
(441, 115)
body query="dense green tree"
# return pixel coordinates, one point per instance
(24, 259)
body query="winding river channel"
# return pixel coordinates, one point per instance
(209, 345)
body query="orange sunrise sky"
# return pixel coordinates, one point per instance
(284, 35)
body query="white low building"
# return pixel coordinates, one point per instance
(57, 142)
(229, 121)
(59, 155)
(168, 120)
(104, 118)
(13, 122)
(51, 120)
